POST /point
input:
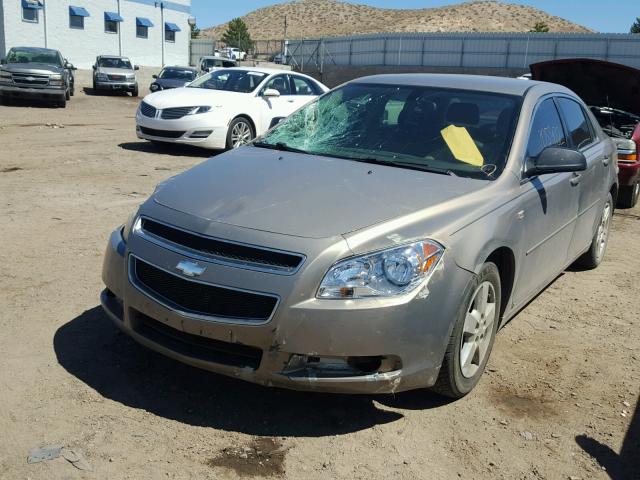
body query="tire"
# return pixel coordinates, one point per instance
(62, 102)
(628, 196)
(593, 257)
(240, 132)
(94, 90)
(73, 90)
(67, 95)
(473, 335)
(134, 93)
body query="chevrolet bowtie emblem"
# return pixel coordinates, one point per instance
(190, 269)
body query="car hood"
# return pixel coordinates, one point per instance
(598, 83)
(181, 97)
(304, 195)
(170, 82)
(42, 68)
(115, 71)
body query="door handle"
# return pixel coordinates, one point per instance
(605, 160)
(576, 179)
(290, 101)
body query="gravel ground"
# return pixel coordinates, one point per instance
(556, 402)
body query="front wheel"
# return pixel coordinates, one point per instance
(628, 196)
(62, 103)
(134, 93)
(67, 95)
(240, 132)
(593, 257)
(473, 335)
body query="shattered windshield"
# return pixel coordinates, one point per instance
(458, 132)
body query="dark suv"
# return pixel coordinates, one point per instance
(38, 73)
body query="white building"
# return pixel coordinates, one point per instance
(149, 32)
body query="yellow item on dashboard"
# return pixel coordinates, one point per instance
(462, 145)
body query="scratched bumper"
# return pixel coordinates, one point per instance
(412, 329)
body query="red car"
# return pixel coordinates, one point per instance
(613, 93)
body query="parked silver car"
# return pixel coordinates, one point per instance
(115, 73)
(374, 241)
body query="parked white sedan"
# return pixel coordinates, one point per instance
(226, 108)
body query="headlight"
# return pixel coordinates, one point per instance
(102, 76)
(131, 77)
(55, 76)
(5, 74)
(386, 273)
(197, 110)
(154, 86)
(133, 222)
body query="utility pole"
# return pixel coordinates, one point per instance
(285, 27)
(119, 32)
(161, 5)
(44, 21)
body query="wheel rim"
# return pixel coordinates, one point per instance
(603, 230)
(478, 329)
(636, 190)
(240, 134)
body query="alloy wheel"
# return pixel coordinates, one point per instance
(603, 230)
(478, 329)
(240, 134)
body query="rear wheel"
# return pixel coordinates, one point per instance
(473, 335)
(593, 257)
(628, 196)
(240, 132)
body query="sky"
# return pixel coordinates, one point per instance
(602, 16)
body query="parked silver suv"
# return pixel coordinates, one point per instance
(374, 241)
(115, 73)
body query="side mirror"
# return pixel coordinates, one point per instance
(70, 66)
(136, 67)
(154, 76)
(93, 66)
(3, 61)
(271, 92)
(556, 160)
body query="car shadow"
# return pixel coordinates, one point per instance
(104, 93)
(174, 149)
(624, 465)
(92, 349)
(17, 102)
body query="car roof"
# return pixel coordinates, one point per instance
(112, 56)
(266, 70)
(35, 49)
(483, 83)
(179, 67)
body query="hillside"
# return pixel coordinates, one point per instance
(321, 18)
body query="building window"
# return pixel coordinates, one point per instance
(30, 10)
(170, 30)
(142, 27)
(76, 17)
(111, 21)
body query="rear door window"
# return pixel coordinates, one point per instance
(546, 129)
(578, 127)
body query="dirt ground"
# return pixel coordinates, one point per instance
(556, 402)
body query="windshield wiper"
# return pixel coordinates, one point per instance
(401, 164)
(283, 147)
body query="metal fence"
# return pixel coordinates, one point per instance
(464, 50)
(262, 49)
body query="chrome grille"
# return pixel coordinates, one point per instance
(147, 110)
(175, 113)
(30, 79)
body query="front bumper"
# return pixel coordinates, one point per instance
(412, 331)
(629, 173)
(18, 91)
(122, 86)
(187, 130)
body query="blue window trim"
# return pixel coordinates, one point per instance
(112, 17)
(78, 11)
(171, 27)
(143, 22)
(34, 5)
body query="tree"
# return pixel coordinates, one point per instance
(635, 28)
(195, 31)
(540, 27)
(237, 35)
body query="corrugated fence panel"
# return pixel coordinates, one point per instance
(473, 50)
